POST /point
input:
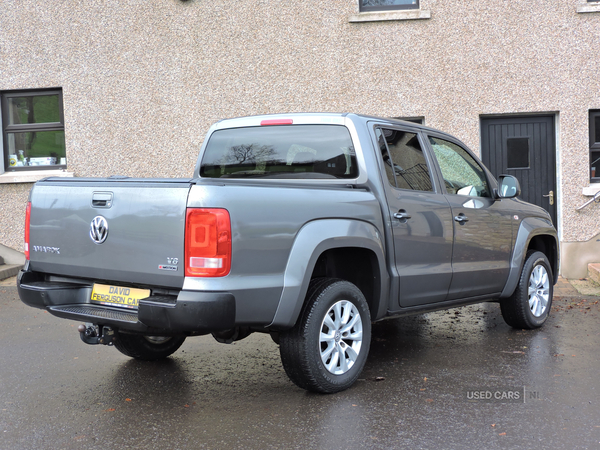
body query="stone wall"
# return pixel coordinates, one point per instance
(143, 80)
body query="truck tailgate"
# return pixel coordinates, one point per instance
(145, 220)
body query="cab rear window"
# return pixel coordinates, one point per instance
(282, 151)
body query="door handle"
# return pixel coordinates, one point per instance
(102, 199)
(402, 215)
(461, 218)
(551, 196)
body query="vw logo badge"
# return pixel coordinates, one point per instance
(99, 230)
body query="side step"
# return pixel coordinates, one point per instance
(11, 261)
(594, 272)
(94, 312)
(9, 270)
(99, 314)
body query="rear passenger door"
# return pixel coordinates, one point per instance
(482, 225)
(420, 218)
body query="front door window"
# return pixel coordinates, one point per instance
(462, 174)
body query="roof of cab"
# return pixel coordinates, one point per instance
(312, 118)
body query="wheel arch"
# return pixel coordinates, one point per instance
(533, 234)
(549, 247)
(358, 265)
(347, 249)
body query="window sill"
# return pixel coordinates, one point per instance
(591, 190)
(31, 177)
(409, 14)
(585, 7)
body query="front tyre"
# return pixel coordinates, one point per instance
(530, 304)
(148, 348)
(327, 349)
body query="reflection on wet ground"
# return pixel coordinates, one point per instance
(414, 392)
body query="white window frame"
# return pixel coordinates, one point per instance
(587, 6)
(392, 14)
(27, 176)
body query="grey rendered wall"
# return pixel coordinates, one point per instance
(143, 81)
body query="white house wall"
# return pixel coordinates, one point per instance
(143, 80)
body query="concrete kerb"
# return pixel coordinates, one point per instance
(13, 261)
(594, 272)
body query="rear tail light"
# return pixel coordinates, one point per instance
(27, 221)
(207, 242)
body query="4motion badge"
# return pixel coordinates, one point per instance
(99, 230)
(171, 265)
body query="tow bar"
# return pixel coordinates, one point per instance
(96, 334)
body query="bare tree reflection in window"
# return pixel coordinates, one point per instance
(248, 157)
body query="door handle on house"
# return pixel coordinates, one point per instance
(551, 196)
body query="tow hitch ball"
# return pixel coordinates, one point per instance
(96, 334)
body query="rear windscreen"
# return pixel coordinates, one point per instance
(283, 151)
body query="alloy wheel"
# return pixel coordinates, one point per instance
(341, 337)
(539, 290)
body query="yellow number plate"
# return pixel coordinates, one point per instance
(122, 297)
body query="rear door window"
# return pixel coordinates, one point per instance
(282, 151)
(405, 163)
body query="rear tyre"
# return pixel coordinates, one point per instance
(327, 349)
(148, 348)
(529, 306)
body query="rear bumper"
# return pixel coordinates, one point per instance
(188, 313)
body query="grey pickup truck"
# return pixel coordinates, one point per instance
(305, 226)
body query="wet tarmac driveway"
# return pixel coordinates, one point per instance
(458, 379)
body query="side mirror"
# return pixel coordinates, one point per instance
(508, 187)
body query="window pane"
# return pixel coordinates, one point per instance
(410, 166)
(36, 148)
(462, 174)
(517, 150)
(298, 151)
(33, 109)
(371, 3)
(595, 164)
(597, 128)
(387, 160)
